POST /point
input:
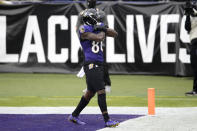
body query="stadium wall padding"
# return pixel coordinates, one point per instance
(41, 37)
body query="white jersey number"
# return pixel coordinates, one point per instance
(96, 48)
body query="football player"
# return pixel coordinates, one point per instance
(101, 18)
(191, 27)
(92, 33)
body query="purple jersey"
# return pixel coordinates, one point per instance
(92, 50)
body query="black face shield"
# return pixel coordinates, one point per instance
(91, 3)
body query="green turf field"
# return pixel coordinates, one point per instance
(66, 90)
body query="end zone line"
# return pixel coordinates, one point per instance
(94, 110)
(69, 110)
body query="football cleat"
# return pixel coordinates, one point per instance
(75, 120)
(191, 93)
(111, 123)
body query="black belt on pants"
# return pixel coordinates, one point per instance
(91, 65)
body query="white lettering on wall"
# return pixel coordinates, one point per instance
(4, 57)
(111, 57)
(32, 31)
(166, 37)
(147, 43)
(52, 55)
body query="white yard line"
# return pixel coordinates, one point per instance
(68, 110)
(94, 110)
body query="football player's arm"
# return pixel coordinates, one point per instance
(93, 37)
(111, 33)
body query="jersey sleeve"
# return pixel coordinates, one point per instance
(83, 29)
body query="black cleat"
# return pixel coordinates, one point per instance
(191, 93)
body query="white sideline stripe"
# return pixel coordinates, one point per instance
(69, 110)
(93, 110)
